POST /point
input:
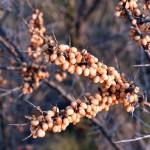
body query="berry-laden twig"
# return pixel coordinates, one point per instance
(114, 89)
(37, 32)
(32, 75)
(56, 120)
(140, 23)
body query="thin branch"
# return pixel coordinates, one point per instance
(18, 124)
(142, 65)
(133, 140)
(9, 68)
(10, 91)
(11, 47)
(36, 107)
(91, 9)
(58, 89)
(95, 120)
(142, 121)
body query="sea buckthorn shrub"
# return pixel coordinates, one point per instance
(114, 89)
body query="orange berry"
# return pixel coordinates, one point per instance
(89, 108)
(79, 58)
(83, 105)
(126, 85)
(98, 96)
(65, 121)
(78, 70)
(48, 118)
(35, 122)
(65, 65)
(57, 62)
(44, 126)
(71, 55)
(144, 42)
(134, 22)
(106, 108)
(59, 120)
(73, 116)
(92, 71)
(55, 129)
(96, 79)
(50, 125)
(40, 133)
(131, 98)
(72, 61)
(94, 101)
(62, 59)
(71, 69)
(73, 49)
(82, 112)
(69, 119)
(104, 99)
(51, 113)
(104, 77)
(127, 5)
(35, 136)
(63, 127)
(86, 72)
(109, 100)
(74, 105)
(58, 77)
(69, 111)
(63, 47)
(53, 57)
(34, 16)
(129, 108)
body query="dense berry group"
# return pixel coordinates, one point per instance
(114, 89)
(32, 75)
(36, 27)
(140, 25)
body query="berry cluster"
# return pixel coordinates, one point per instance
(73, 61)
(36, 26)
(140, 25)
(56, 120)
(32, 75)
(114, 89)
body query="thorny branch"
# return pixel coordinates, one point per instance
(69, 98)
(133, 140)
(130, 17)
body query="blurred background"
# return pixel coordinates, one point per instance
(87, 25)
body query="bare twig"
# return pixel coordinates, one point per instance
(95, 120)
(58, 89)
(36, 107)
(142, 65)
(9, 68)
(133, 140)
(10, 91)
(22, 124)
